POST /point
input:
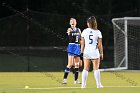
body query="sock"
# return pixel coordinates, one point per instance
(97, 76)
(73, 69)
(67, 70)
(76, 73)
(84, 77)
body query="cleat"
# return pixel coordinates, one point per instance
(83, 86)
(64, 81)
(77, 82)
(100, 86)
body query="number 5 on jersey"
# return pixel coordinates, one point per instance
(90, 39)
(77, 39)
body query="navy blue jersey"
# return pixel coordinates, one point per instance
(75, 35)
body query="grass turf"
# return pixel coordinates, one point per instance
(51, 82)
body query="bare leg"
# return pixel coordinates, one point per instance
(76, 62)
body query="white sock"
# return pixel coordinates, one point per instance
(97, 77)
(84, 77)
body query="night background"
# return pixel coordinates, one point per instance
(33, 45)
(104, 10)
(111, 8)
(38, 27)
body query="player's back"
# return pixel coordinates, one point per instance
(91, 37)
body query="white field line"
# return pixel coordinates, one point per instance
(52, 88)
(122, 86)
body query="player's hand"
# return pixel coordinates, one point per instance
(81, 56)
(101, 56)
(69, 30)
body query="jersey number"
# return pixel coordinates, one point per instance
(90, 38)
(77, 39)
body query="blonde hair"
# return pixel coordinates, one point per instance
(72, 18)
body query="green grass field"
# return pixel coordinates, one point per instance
(50, 82)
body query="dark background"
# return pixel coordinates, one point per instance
(116, 8)
(104, 10)
(27, 27)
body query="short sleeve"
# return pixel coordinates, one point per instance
(100, 34)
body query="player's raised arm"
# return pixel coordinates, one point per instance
(68, 31)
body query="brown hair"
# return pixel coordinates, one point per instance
(92, 22)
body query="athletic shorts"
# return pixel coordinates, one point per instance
(74, 49)
(91, 53)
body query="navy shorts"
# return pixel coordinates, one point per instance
(74, 49)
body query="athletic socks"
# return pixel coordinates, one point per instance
(76, 73)
(96, 75)
(97, 78)
(67, 70)
(84, 78)
(73, 69)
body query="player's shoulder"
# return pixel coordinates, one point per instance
(86, 29)
(79, 29)
(98, 31)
